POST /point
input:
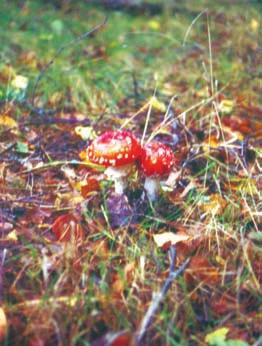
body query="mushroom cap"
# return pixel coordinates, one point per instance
(157, 159)
(114, 148)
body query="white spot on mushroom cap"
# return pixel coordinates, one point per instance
(161, 152)
(112, 162)
(128, 140)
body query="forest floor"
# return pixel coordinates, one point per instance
(75, 266)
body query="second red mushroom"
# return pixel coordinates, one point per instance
(157, 161)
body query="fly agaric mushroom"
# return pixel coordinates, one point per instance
(157, 161)
(116, 150)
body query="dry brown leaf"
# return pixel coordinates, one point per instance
(118, 286)
(67, 228)
(201, 270)
(169, 238)
(129, 271)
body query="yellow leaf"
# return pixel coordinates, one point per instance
(217, 337)
(19, 82)
(12, 236)
(169, 238)
(7, 121)
(254, 25)
(215, 204)
(85, 132)
(226, 106)
(210, 143)
(154, 24)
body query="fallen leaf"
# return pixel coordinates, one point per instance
(7, 121)
(154, 24)
(226, 106)
(201, 270)
(85, 132)
(66, 228)
(19, 82)
(169, 238)
(217, 337)
(223, 305)
(91, 185)
(254, 25)
(12, 236)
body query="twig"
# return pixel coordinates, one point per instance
(53, 164)
(59, 51)
(2, 261)
(191, 25)
(159, 297)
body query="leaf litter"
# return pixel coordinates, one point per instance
(78, 262)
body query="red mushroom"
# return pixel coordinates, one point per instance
(116, 150)
(157, 161)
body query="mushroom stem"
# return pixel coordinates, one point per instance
(152, 186)
(119, 176)
(120, 185)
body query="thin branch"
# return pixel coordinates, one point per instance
(159, 297)
(191, 25)
(148, 115)
(53, 164)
